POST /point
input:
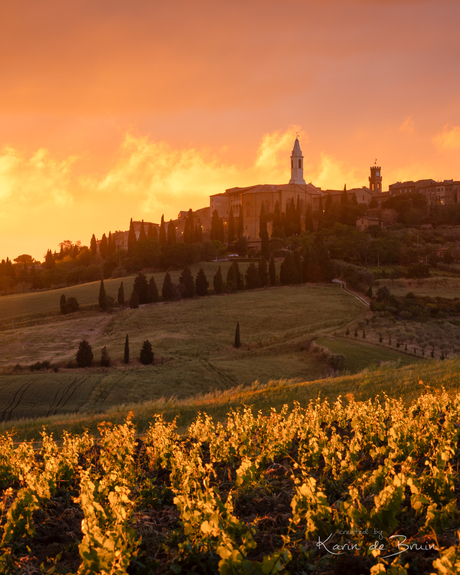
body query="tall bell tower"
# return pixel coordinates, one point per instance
(375, 179)
(297, 165)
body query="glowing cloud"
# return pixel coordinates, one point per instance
(408, 125)
(448, 139)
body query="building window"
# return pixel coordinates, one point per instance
(300, 163)
(292, 164)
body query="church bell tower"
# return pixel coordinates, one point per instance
(375, 179)
(297, 165)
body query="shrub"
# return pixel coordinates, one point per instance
(84, 355)
(72, 304)
(146, 356)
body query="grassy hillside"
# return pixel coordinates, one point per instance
(407, 382)
(435, 286)
(193, 345)
(19, 309)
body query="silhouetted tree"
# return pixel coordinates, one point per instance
(237, 336)
(146, 355)
(126, 354)
(134, 300)
(102, 297)
(252, 276)
(263, 272)
(162, 237)
(141, 286)
(105, 358)
(154, 297)
(168, 288)
(142, 234)
(84, 354)
(93, 245)
(63, 304)
(265, 245)
(171, 233)
(103, 246)
(201, 283)
(121, 295)
(188, 285)
(132, 240)
(218, 282)
(288, 272)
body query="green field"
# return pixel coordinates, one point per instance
(193, 345)
(435, 286)
(361, 355)
(407, 382)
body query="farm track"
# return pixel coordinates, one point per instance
(214, 370)
(66, 395)
(8, 411)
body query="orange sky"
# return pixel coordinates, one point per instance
(117, 109)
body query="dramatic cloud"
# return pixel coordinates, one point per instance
(448, 140)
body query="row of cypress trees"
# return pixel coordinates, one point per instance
(85, 357)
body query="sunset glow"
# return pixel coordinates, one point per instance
(113, 110)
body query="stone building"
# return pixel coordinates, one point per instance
(248, 201)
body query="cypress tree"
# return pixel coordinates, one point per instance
(262, 221)
(218, 282)
(309, 220)
(131, 236)
(263, 272)
(103, 246)
(141, 286)
(102, 297)
(150, 230)
(201, 283)
(237, 336)
(111, 246)
(272, 271)
(186, 279)
(155, 233)
(126, 354)
(168, 288)
(231, 227)
(252, 276)
(142, 234)
(63, 304)
(265, 247)
(239, 276)
(121, 295)
(232, 284)
(171, 233)
(162, 231)
(146, 355)
(134, 300)
(93, 245)
(199, 233)
(221, 231)
(154, 297)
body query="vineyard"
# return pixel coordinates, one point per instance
(348, 487)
